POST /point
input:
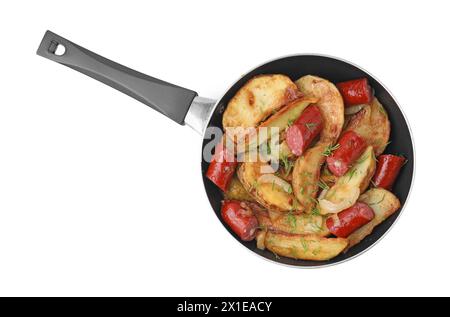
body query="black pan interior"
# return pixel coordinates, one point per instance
(335, 71)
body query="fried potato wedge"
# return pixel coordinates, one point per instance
(372, 124)
(345, 192)
(261, 239)
(269, 194)
(257, 99)
(236, 191)
(330, 104)
(383, 203)
(309, 247)
(302, 223)
(305, 176)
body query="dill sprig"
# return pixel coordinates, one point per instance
(287, 165)
(315, 211)
(291, 220)
(316, 251)
(330, 148)
(289, 189)
(304, 244)
(352, 173)
(310, 125)
(322, 184)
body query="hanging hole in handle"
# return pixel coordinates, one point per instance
(56, 48)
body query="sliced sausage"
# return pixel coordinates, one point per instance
(355, 92)
(351, 146)
(350, 219)
(303, 131)
(222, 167)
(240, 218)
(387, 170)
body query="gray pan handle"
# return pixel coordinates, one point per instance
(170, 100)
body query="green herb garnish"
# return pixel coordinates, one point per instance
(314, 200)
(262, 227)
(323, 185)
(329, 149)
(291, 220)
(316, 227)
(289, 189)
(310, 125)
(307, 174)
(315, 211)
(316, 251)
(352, 173)
(304, 245)
(287, 164)
(255, 185)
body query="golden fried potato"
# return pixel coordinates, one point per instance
(383, 203)
(372, 124)
(236, 191)
(345, 192)
(261, 239)
(309, 247)
(257, 99)
(274, 195)
(305, 176)
(330, 104)
(290, 222)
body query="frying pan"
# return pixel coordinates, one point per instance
(184, 106)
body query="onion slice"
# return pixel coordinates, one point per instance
(275, 180)
(331, 207)
(323, 193)
(353, 109)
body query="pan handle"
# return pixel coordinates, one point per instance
(170, 100)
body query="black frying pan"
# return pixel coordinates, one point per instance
(185, 107)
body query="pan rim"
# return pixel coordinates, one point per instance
(413, 151)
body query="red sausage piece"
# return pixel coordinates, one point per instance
(350, 219)
(307, 126)
(240, 218)
(222, 167)
(355, 92)
(351, 146)
(387, 170)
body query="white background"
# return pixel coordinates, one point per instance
(100, 195)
